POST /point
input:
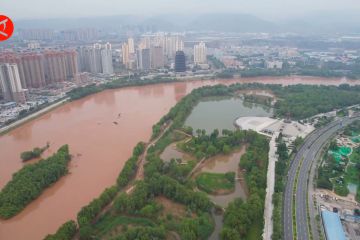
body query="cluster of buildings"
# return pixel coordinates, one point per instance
(96, 59)
(20, 71)
(152, 52)
(70, 35)
(38, 67)
(156, 52)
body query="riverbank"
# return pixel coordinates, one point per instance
(32, 116)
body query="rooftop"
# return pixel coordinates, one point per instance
(269, 126)
(333, 226)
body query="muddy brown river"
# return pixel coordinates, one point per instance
(99, 146)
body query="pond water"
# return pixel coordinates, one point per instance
(172, 152)
(218, 113)
(223, 164)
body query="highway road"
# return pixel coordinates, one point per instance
(303, 161)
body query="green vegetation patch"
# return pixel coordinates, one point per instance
(30, 181)
(338, 152)
(66, 232)
(255, 231)
(35, 153)
(216, 183)
(345, 151)
(108, 224)
(355, 156)
(244, 220)
(337, 156)
(303, 101)
(356, 139)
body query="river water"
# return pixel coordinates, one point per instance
(99, 146)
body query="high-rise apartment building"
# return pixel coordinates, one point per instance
(32, 70)
(71, 61)
(55, 67)
(131, 45)
(83, 58)
(38, 69)
(96, 59)
(11, 84)
(125, 54)
(11, 57)
(106, 59)
(200, 53)
(143, 59)
(157, 57)
(180, 62)
(173, 44)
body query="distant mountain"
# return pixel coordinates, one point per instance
(105, 22)
(325, 22)
(336, 22)
(207, 22)
(232, 23)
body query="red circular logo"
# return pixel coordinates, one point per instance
(6, 28)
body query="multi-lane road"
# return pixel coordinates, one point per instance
(299, 169)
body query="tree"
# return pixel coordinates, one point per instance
(226, 149)
(333, 145)
(211, 150)
(66, 232)
(229, 234)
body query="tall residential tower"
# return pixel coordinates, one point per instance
(200, 53)
(11, 84)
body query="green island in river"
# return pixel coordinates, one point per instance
(30, 181)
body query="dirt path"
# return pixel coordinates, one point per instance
(141, 163)
(198, 165)
(269, 207)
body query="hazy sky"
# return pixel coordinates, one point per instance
(268, 9)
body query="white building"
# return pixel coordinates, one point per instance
(33, 45)
(173, 44)
(95, 59)
(106, 59)
(11, 84)
(274, 64)
(131, 45)
(200, 53)
(143, 59)
(145, 43)
(125, 54)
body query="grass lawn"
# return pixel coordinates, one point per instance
(216, 183)
(109, 223)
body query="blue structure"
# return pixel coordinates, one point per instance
(332, 225)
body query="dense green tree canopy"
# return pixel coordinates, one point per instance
(30, 181)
